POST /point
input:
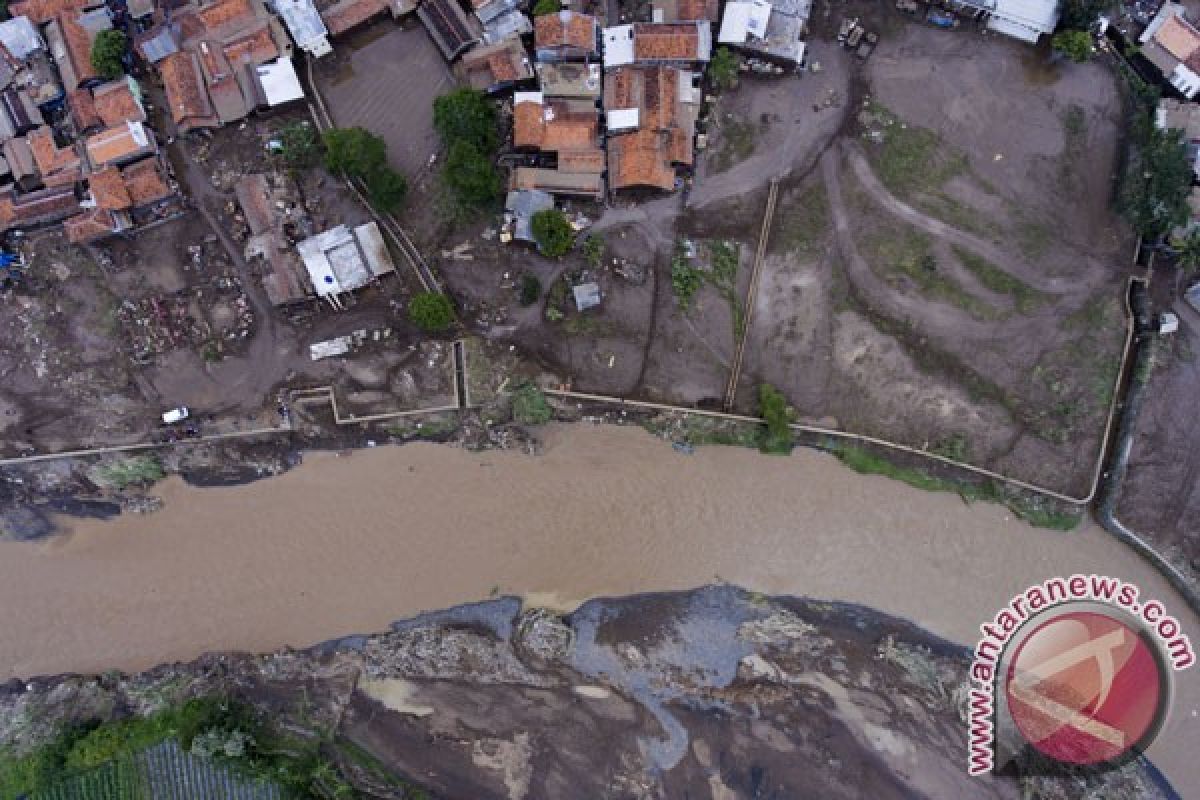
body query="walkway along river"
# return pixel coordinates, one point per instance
(345, 545)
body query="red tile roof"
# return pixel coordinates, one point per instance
(255, 46)
(115, 103)
(224, 15)
(42, 11)
(36, 207)
(119, 143)
(145, 182)
(83, 110)
(186, 96)
(79, 48)
(342, 16)
(91, 226)
(640, 159)
(552, 126)
(566, 29)
(666, 42)
(108, 189)
(590, 161)
(50, 158)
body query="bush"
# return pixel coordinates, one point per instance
(386, 189)
(723, 69)
(139, 470)
(772, 406)
(1157, 182)
(553, 234)
(466, 115)
(686, 280)
(543, 7)
(1075, 45)
(531, 289)
(593, 250)
(354, 151)
(108, 54)
(301, 148)
(431, 311)
(471, 176)
(530, 406)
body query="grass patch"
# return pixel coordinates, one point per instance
(739, 137)
(723, 278)
(530, 406)
(1033, 509)
(801, 223)
(1024, 296)
(132, 471)
(906, 255)
(910, 159)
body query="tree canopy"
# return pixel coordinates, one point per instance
(1158, 182)
(108, 53)
(386, 189)
(471, 175)
(431, 311)
(466, 115)
(553, 234)
(1080, 14)
(362, 155)
(543, 7)
(723, 69)
(1075, 45)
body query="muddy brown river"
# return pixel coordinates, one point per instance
(348, 544)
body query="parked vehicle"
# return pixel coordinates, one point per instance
(175, 415)
(848, 24)
(855, 37)
(941, 19)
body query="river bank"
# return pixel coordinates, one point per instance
(345, 544)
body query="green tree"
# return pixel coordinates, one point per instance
(1158, 182)
(593, 250)
(1188, 250)
(543, 7)
(386, 189)
(108, 50)
(1075, 45)
(354, 151)
(531, 289)
(723, 69)
(553, 234)
(1080, 14)
(300, 146)
(772, 406)
(431, 311)
(466, 115)
(471, 175)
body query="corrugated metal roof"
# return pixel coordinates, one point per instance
(20, 37)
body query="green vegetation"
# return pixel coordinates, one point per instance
(953, 447)
(686, 279)
(108, 53)
(723, 278)
(593, 250)
(1158, 180)
(723, 69)
(531, 289)
(466, 121)
(552, 232)
(362, 155)
(300, 145)
(530, 406)
(131, 471)
(1024, 296)
(543, 7)
(1031, 508)
(912, 159)
(776, 436)
(801, 222)
(471, 176)
(1080, 14)
(738, 138)
(908, 254)
(1188, 249)
(431, 312)
(1074, 44)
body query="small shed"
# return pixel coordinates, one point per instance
(587, 295)
(340, 260)
(521, 205)
(20, 37)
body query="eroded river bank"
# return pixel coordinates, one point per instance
(350, 544)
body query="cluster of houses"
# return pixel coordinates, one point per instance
(74, 149)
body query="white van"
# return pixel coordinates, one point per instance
(175, 415)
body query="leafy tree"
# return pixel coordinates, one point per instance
(431, 311)
(531, 289)
(471, 175)
(723, 69)
(772, 406)
(543, 7)
(386, 189)
(1080, 14)
(593, 250)
(1188, 249)
(354, 151)
(301, 148)
(466, 115)
(553, 234)
(1075, 45)
(1158, 182)
(108, 52)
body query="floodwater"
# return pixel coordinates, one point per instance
(347, 544)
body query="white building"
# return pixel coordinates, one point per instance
(340, 260)
(1026, 20)
(304, 23)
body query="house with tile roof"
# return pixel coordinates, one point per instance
(496, 67)
(664, 100)
(95, 224)
(684, 10)
(566, 36)
(118, 101)
(677, 43)
(58, 166)
(35, 209)
(120, 144)
(70, 45)
(187, 97)
(1172, 44)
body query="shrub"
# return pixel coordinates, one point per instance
(108, 54)
(553, 234)
(466, 115)
(431, 311)
(1075, 45)
(386, 189)
(686, 280)
(723, 69)
(593, 250)
(531, 289)
(1157, 182)
(530, 406)
(139, 470)
(470, 175)
(776, 437)
(301, 148)
(543, 7)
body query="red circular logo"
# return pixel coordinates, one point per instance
(1084, 688)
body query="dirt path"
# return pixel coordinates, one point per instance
(1091, 278)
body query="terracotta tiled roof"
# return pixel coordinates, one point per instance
(67, 176)
(590, 160)
(83, 110)
(551, 126)
(696, 10)
(184, 83)
(341, 17)
(566, 29)
(79, 48)
(640, 159)
(118, 143)
(654, 91)
(115, 103)
(1178, 38)
(666, 42)
(37, 207)
(145, 182)
(91, 226)
(42, 11)
(50, 158)
(224, 15)
(108, 189)
(255, 46)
